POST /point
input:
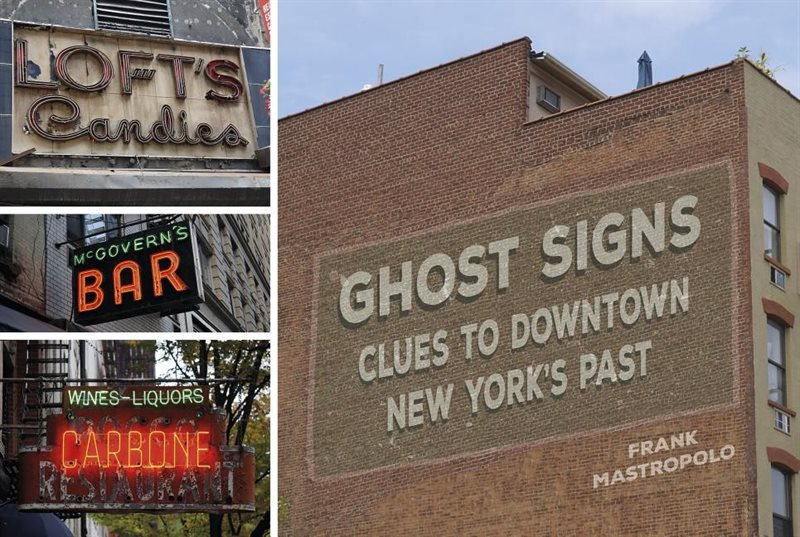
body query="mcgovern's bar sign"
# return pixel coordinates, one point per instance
(152, 271)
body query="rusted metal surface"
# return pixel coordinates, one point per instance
(17, 156)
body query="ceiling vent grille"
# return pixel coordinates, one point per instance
(147, 16)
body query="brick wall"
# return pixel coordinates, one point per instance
(450, 147)
(27, 253)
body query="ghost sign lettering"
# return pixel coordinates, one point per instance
(533, 323)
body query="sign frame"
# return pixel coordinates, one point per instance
(189, 302)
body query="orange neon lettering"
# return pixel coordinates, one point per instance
(199, 449)
(151, 451)
(167, 273)
(109, 452)
(85, 288)
(116, 449)
(67, 463)
(131, 449)
(184, 447)
(133, 287)
(91, 440)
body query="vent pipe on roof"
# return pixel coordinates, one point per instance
(645, 71)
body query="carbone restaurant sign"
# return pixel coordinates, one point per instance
(152, 271)
(142, 448)
(81, 93)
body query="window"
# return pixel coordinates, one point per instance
(204, 253)
(777, 276)
(781, 503)
(782, 421)
(772, 228)
(776, 373)
(5, 235)
(101, 227)
(146, 16)
(548, 99)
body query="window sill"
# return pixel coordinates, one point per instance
(777, 264)
(784, 409)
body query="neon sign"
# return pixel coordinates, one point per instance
(159, 397)
(127, 457)
(160, 132)
(91, 94)
(135, 449)
(151, 271)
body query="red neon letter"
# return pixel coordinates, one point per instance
(151, 451)
(131, 449)
(199, 449)
(91, 442)
(133, 287)
(212, 73)
(111, 453)
(72, 463)
(168, 273)
(85, 288)
(184, 447)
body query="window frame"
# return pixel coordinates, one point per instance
(772, 226)
(787, 485)
(780, 366)
(80, 239)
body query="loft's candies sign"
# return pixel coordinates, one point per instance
(152, 271)
(138, 448)
(83, 93)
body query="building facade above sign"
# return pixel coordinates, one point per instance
(81, 93)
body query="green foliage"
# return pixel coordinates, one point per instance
(247, 406)
(762, 61)
(283, 511)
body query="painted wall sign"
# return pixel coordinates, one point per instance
(103, 457)
(151, 271)
(524, 326)
(106, 96)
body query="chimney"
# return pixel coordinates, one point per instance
(645, 71)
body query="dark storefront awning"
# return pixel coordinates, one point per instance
(12, 320)
(16, 524)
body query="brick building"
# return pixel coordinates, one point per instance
(140, 98)
(511, 305)
(36, 287)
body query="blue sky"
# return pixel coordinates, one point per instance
(331, 48)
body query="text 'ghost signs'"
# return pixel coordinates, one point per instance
(140, 448)
(152, 271)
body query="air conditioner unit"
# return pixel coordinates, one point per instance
(548, 99)
(5, 236)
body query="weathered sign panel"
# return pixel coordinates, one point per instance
(85, 93)
(152, 271)
(137, 449)
(524, 326)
